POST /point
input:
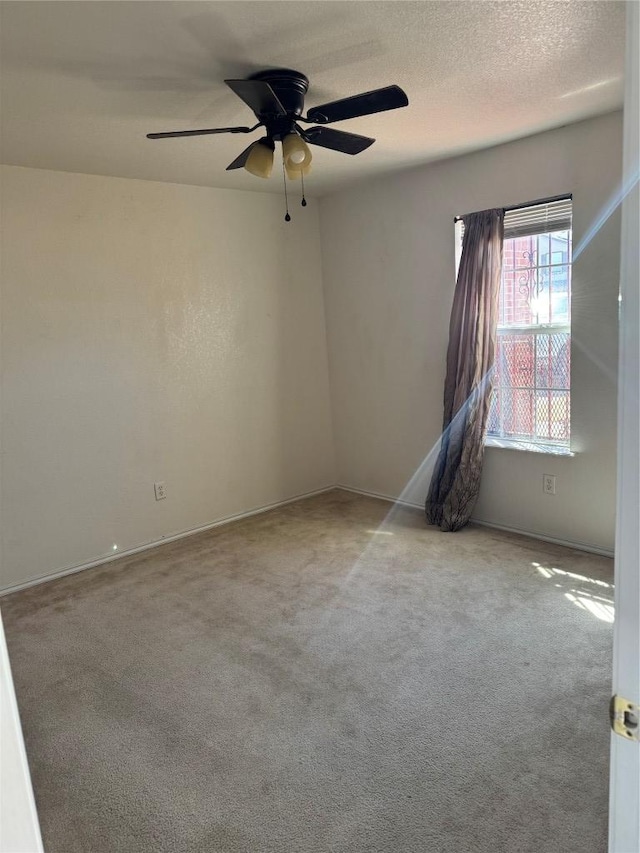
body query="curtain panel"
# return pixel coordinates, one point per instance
(455, 483)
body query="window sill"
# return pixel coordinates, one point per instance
(528, 446)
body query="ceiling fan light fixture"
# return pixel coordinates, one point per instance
(260, 160)
(296, 154)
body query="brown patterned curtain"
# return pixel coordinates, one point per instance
(467, 390)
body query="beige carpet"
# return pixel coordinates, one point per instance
(306, 681)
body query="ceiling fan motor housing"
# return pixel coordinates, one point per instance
(290, 88)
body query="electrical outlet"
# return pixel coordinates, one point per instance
(549, 484)
(160, 490)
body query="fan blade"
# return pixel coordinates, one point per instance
(241, 159)
(200, 132)
(337, 140)
(258, 95)
(377, 101)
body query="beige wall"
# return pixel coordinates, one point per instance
(388, 267)
(152, 332)
(163, 332)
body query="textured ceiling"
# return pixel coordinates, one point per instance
(83, 82)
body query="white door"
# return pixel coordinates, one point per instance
(624, 809)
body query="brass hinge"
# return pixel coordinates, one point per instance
(625, 716)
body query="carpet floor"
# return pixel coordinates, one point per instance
(329, 677)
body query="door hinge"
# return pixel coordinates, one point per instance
(625, 716)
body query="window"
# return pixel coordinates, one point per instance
(531, 398)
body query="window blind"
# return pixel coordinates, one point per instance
(538, 218)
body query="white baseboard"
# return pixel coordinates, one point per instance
(100, 561)
(380, 496)
(567, 543)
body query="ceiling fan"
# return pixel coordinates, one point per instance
(277, 100)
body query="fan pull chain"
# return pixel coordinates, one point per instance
(304, 201)
(287, 218)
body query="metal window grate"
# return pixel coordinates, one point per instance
(531, 394)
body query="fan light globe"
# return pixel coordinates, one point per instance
(260, 160)
(294, 172)
(296, 154)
